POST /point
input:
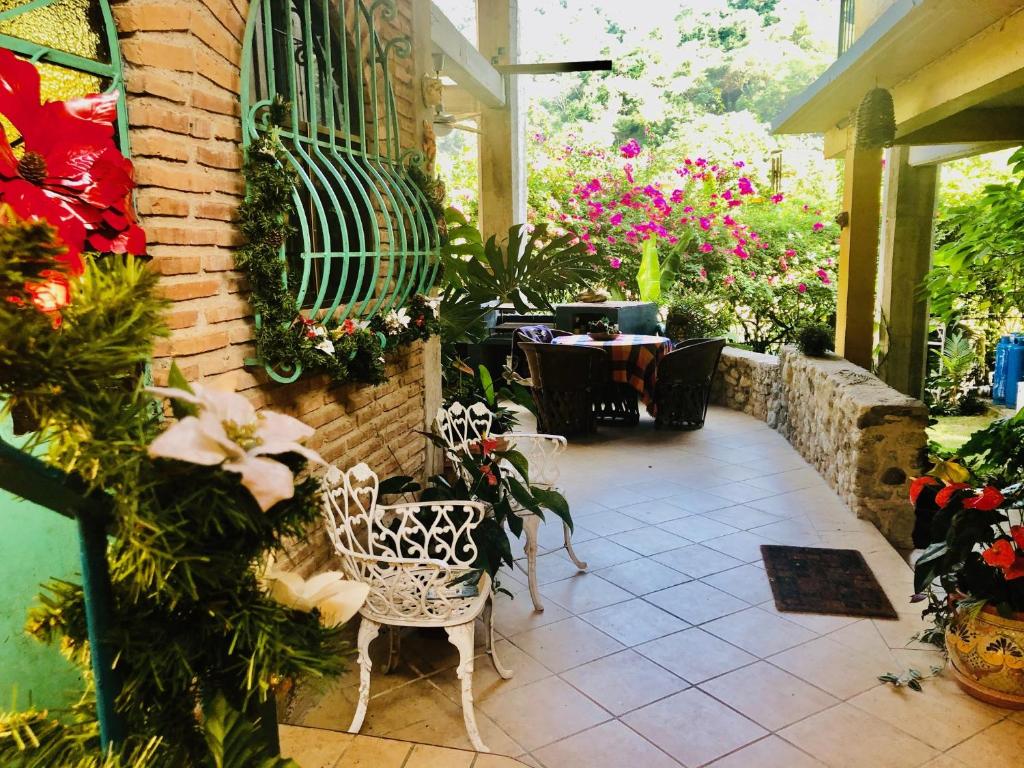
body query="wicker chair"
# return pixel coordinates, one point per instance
(616, 403)
(566, 381)
(410, 555)
(531, 334)
(683, 389)
(463, 429)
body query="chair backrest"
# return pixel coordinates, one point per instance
(695, 362)
(692, 342)
(535, 334)
(459, 426)
(564, 367)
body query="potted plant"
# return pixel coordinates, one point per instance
(602, 330)
(972, 575)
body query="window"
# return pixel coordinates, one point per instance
(365, 239)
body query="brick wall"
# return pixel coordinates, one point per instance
(182, 64)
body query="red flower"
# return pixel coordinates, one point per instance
(989, 499)
(919, 484)
(69, 172)
(943, 497)
(1001, 554)
(488, 472)
(50, 296)
(1015, 571)
(1017, 531)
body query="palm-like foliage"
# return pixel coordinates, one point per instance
(957, 361)
(530, 270)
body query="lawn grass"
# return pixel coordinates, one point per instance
(953, 431)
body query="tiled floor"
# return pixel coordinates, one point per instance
(670, 651)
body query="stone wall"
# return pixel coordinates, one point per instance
(865, 438)
(182, 75)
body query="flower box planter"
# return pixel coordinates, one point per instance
(986, 654)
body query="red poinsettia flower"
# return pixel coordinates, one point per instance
(943, 497)
(1001, 554)
(1017, 532)
(51, 295)
(918, 484)
(69, 171)
(989, 499)
(1015, 571)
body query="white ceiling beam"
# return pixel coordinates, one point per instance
(463, 63)
(944, 153)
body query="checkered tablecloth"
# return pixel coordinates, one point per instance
(633, 359)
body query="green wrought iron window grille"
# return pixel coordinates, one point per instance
(365, 239)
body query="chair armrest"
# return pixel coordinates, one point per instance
(536, 437)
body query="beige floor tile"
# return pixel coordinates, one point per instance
(313, 747)
(758, 632)
(862, 636)
(515, 616)
(634, 621)
(617, 497)
(768, 696)
(790, 533)
(445, 727)
(846, 737)
(566, 644)
(742, 545)
(554, 566)
(771, 752)
(697, 502)
(697, 528)
(942, 716)
(741, 517)
(543, 712)
(405, 706)
(819, 623)
(424, 756)
(603, 553)
(697, 560)
(944, 761)
(584, 592)
(649, 540)
(693, 727)
(655, 489)
(487, 682)
(654, 512)
(607, 523)
(643, 576)
(741, 492)
(365, 752)
(624, 681)
(1000, 746)
(611, 745)
(696, 602)
(833, 667)
(695, 655)
(500, 761)
(552, 533)
(747, 582)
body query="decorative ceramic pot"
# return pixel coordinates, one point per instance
(596, 336)
(986, 653)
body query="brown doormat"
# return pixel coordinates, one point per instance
(817, 580)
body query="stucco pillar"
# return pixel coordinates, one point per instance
(858, 256)
(502, 188)
(906, 255)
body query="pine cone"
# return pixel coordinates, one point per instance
(274, 238)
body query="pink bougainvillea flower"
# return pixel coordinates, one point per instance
(989, 499)
(615, 219)
(818, 226)
(823, 276)
(918, 484)
(706, 248)
(703, 274)
(614, 262)
(729, 221)
(612, 240)
(790, 253)
(70, 172)
(729, 280)
(943, 497)
(738, 164)
(802, 288)
(777, 198)
(745, 186)
(705, 223)
(735, 203)
(230, 433)
(738, 251)
(630, 149)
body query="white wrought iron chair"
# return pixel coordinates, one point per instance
(463, 430)
(409, 555)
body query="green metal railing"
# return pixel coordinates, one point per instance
(75, 37)
(846, 25)
(366, 239)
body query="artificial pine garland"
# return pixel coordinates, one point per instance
(347, 351)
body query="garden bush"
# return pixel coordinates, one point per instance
(815, 340)
(691, 316)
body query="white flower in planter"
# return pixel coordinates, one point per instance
(228, 431)
(326, 346)
(435, 306)
(336, 598)
(396, 321)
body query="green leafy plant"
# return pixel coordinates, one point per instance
(950, 387)
(815, 340)
(530, 268)
(691, 315)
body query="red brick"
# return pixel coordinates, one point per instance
(210, 98)
(194, 288)
(218, 157)
(181, 345)
(213, 34)
(220, 261)
(157, 115)
(154, 84)
(216, 69)
(181, 318)
(157, 51)
(228, 15)
(158, 202)
(227, 308)
(176, 265)
(213, 209)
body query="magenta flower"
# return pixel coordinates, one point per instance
(729, 280)
(738, 251)
(630, 149)
(705, 223)
(614, 263)
(703, 274)
(688, 209)
(706, 248)
(746, 188)
(790, 252)
(729, 221)
(615, 219)
(823, 276)
(777, 198)
(818, 226)
(802, 288)
(612, 240)
(738, 164)
(735, 203)
(628, 170)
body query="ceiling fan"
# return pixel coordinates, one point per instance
(445, 122)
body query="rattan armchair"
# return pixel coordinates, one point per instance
(565, 383)
(683, 388)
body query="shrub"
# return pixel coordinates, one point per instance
(815, 340)
(692, 316)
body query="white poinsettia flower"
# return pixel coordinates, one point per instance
(228, 431)
(403, 318)
(435, 306)
(336, 598)
(326, 346)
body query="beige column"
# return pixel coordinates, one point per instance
(502, 191)
(858, 256)
(906, 255)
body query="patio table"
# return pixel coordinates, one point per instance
(632, 358)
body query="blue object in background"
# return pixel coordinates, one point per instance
(1014, 368)
(999, 372)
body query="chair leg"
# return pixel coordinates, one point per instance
(504, 672)
(368, 630)
(572, 553)
(461, 636)
(531, 526)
